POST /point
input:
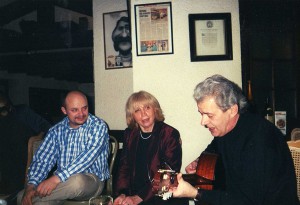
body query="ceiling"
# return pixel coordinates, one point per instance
(46, 48)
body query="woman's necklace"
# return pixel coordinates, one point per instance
(145, 138)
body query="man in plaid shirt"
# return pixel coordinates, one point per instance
(78, 146)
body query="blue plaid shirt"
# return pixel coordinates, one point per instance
(81, 150)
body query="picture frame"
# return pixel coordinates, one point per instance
(129, 15)
(117, 40)
(128, 4)
(154, 31)
(210, 37)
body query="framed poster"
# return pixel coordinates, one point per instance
(210, 37)
(117, 40)
(154, 34)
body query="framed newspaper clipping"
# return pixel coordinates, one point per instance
(154, 34)
(210, 37)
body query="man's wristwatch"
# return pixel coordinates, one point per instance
(198, 196)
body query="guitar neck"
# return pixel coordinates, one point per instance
(196, 180)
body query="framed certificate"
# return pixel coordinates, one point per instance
(210, 37)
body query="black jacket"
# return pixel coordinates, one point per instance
(258, 165)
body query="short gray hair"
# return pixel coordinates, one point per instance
(225, 92)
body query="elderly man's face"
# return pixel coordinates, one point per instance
(218, 122)
(121, 37)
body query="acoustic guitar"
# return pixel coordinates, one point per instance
(209, 175)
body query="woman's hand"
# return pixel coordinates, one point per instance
(184, 189)
(127, 200)
(191, 168)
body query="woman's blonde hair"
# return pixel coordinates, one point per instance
(146, 99)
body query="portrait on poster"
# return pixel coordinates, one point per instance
(117, 40)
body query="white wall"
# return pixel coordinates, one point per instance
(112, 87)
(170, 78)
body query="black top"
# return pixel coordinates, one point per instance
(258, 165)
(14, 137)
(31, 119)
(142, 175)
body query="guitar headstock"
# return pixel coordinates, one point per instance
(167, 195)
(163, 180)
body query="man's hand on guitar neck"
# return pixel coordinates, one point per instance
(184, 189)
(191, 168)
